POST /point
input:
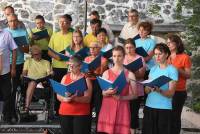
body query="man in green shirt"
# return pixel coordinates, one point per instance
(41, 42)
(59, 42)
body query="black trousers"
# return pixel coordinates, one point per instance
(177, 106)
(157, 121)
(134, 108)
(16, 82)
(75, 124)
(5, 93)
(58, 75)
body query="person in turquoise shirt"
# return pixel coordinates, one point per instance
(147, 43)
(16, 31)
(158, 108)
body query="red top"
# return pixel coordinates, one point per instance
(73, 108)
(181, 61)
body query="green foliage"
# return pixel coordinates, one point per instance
(196, 106)
(154, 9)
(192, 36)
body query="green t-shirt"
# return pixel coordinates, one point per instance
(43, 43)
(58, 43)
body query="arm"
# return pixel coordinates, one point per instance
(1, 64)
(87, 94)
(170, 92)
(150, 53)
(13, 64)
(186, 72)
(132, 88)
(24, 49)
(53, 55)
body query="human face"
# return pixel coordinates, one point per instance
(39, 23)
(118, 57)
(36, 55)
(171, 45)
(77, 38)
(143, 33)
(74, 67)
(94, 48)
(93, 17)
(8, 11)
(160, 57)
(64, 24)
(133, 18)
(12, 22)
(130, 49)
(101, 37)
(95, 28)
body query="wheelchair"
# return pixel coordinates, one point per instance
(41, 106)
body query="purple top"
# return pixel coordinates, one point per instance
(7, 44)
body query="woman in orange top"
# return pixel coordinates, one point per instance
(75, 110)
(97, 93)
(182, 62)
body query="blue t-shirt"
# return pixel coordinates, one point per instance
(16, 33)
(148, 44)
(155, 99)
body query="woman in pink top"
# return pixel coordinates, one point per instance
(114, 116)
(135, 104)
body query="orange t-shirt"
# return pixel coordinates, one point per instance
(181, 61)
(73, 108)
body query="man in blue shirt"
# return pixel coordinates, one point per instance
(16, 31)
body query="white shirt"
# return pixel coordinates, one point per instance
(129, 31)
(7, 44)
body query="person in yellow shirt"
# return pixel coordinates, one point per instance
(34, 68)
(44, 42)
(59, 42)
(92, 37)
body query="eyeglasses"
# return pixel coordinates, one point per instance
(93, 47)
(73, 65)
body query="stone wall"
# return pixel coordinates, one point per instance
(111, 11)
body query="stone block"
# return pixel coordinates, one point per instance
(99, 2)
(24, 13)
(109, 7)
(100, 9)
(42, 6)
(64, 1)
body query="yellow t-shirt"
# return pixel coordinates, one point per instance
(88, 39)
(37, 69)
(43, 43)
(58, 43)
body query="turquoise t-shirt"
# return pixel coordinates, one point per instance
(17, 33)
(148, 44)
(155, 99)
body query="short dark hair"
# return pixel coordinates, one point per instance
(162, 47)
(95, 21)
(102, 30)
(10, 8)
(95, 13)
(119, 48)
(130, 41)
(40, 17)
(178, 42)
(68, 17)
(77, 59)
(148, 26)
